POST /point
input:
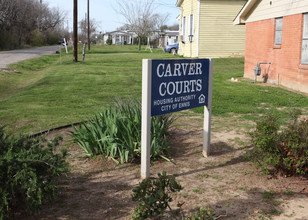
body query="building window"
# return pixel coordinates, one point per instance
(184, 28)
(278, 31)
(304, 57)
(191, 28)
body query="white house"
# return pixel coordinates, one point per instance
(169, 37)
(119, 37)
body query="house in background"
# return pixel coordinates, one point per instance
(207, 30)
(119, 37)
(168, 37)
(277, 41)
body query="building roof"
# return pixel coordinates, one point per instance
(119, 32)
(257, 10)
(240, 18)
(178, 3)
(170, 32)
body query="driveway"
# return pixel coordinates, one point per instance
(14, 56)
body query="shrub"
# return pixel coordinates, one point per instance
(286, 150)
(153, 196)
(144, 41)
(36, 39)
(51, 39)
(116, 133)
(27, 171)
(109, 41)
(202, 214)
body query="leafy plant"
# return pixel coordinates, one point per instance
(27, 172)
(116, 133)
(202, 214)
(153, 196)
(284, 149)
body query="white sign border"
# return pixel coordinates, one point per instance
(146, 116)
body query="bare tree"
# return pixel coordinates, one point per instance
(160, 21)
(7, 12)
(140, 17)
(50, 18)
(83, 25)
(27, 22)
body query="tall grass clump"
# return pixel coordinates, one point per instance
(115, 132)
(27, 173)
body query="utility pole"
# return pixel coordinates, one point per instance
(75, 30)
(88, 24)
(39, 17)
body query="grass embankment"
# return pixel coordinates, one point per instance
(46, 93)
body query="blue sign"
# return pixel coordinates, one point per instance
(179, 84)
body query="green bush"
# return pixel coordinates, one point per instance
(36, 39)
(285, 150)
(27, 173)
(153, 196)
(109, 41)
(144, 41)
(51, 39)
(116, 133)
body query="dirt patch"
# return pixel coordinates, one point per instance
(225, 181)
(6, 70)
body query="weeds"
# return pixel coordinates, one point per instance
(27, 173)
(202, 214)
(153, 196)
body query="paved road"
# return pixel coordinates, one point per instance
(14, 56)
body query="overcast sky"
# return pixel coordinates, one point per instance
(103, 12)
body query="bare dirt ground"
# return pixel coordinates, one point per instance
(225, 181)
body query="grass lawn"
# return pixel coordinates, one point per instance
(46, 93)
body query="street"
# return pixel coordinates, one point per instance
(14, 56)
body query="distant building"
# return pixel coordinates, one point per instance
(207, 30)
(276, 41)
(169, 37)
(119, 37)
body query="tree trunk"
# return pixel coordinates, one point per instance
(139, 43)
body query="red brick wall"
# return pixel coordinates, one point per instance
(285, 68)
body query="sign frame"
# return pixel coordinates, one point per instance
(146, 115)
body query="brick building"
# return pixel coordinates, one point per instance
(276, 41)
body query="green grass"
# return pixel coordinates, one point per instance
(245, 97)
(46, 93)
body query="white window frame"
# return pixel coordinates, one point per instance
(184, 28)
(278, 30)
(304, 51)
(191, 28)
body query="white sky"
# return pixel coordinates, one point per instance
(103, 12)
